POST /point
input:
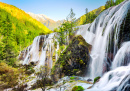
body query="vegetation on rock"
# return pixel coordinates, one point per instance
(74, 60)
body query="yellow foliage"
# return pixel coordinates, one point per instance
(25, 31)
(4, 68)
(21, 15)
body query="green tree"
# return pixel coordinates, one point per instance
(71, 19)
(86, 12)
(109, 3)
(67, 28)
(9, 45)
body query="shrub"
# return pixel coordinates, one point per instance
(77, 88)
(9, 75)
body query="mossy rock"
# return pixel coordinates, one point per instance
(73, 60)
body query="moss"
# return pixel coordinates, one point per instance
(81, 62)
(96, 79)
(72, 78)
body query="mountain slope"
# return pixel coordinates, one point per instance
(90, 16)
(17, 31)
(51, 24)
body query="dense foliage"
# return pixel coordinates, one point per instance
(17, 31)
(90, 16)
(111, 3)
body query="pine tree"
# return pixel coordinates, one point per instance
(9, 49)
(71, 18)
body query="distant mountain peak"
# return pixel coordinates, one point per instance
(39, 16)
(51, 24)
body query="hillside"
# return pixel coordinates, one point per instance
(17, 31)
(90, 16)
(51, 24)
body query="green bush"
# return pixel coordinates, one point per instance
(77, 88)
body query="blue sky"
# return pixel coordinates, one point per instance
(56, 9)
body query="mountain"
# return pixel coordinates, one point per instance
(90, 16)
(17, 31)
(51, 24)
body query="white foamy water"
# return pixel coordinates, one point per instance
(88, 36)
(112, 79)
(123, 56)
(47, 48)
(42, 50)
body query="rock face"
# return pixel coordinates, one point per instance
(74, 60)
(124, 32)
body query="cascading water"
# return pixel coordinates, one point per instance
(33, 54)
(123, 56)
(88, 36)
(104, 31)
(99, 35)
(112, 79)
(111, 23)
(41, 51)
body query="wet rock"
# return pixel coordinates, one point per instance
(89, 80)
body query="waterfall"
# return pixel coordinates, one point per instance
(101, 34)
(42, 58)
(88, 36)
(109, 21)
(125, 85)
(123, 56)
(41, 51)
(112, 79)
(34, 51)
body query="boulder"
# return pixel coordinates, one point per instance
(74, 60)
